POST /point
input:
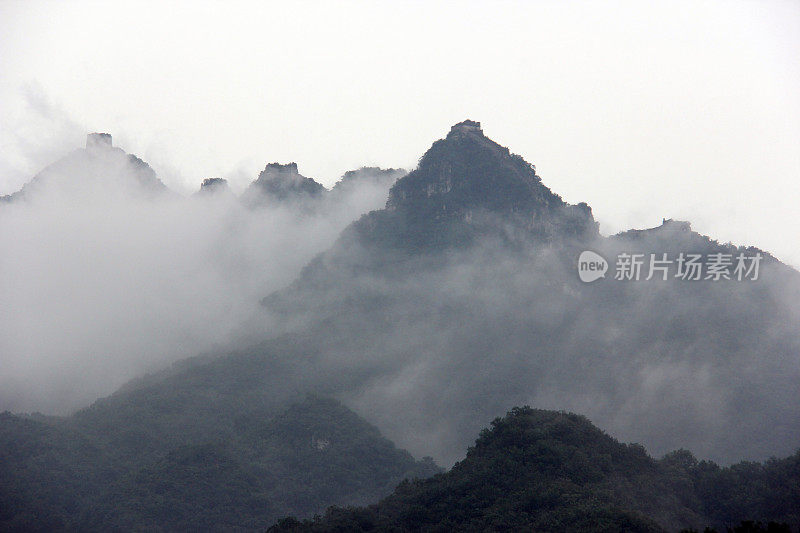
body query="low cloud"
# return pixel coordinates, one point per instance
(99, 285)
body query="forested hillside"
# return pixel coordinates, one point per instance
(537, 470)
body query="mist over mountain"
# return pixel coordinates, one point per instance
(427, 303)
(465, 277)
(105, 274)
(99, 169)
(460, 298)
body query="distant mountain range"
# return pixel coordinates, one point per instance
(102, 169)
(457, 300)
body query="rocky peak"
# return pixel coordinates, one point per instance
(278, 173)
(214, 185)
(467, 171)
(278, 168)
(282, 181)
(98, 141)
(467, 185)
(467, 127)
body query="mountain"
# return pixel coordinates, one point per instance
(464, 188)
(468, 276)
(279, 183)
(537, 470)
(213, 186)
(127, 464)
(100, 169)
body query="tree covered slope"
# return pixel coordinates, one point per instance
(537, 470)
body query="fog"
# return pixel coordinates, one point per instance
(102, 279)
(432, 348)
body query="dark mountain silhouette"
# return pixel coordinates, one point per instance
(100, 169)
(536, 470)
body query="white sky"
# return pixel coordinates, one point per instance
(644, 110)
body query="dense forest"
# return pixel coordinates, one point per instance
(536, 470)
(76, 475)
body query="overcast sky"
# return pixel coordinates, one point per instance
(644, 110)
